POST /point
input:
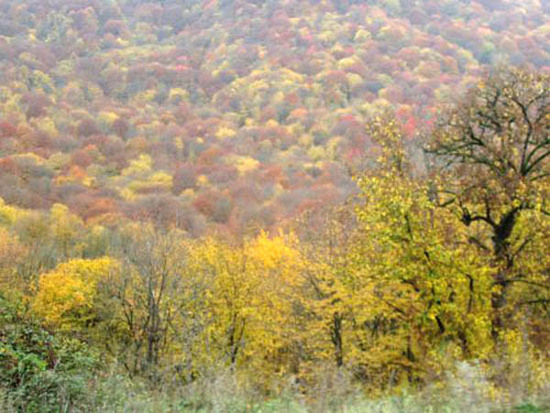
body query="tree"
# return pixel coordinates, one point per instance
(12, 253)
(66, 230)
(247, 322)
(495, 147)
(146, 294)
(327, 236)
(67, 296)
(420, 285)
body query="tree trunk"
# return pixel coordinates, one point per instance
(336, 336)
(504, 263)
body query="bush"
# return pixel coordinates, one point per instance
(40, 372)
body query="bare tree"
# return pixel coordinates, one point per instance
(149, 292)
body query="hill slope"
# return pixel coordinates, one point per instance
(229, 113)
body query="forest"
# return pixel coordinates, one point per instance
(274, 206)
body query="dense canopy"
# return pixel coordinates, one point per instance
(231, 114)
(260, 205)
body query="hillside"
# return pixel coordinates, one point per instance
(229, 114)
(274, 206)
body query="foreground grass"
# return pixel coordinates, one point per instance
(466, 390)
(118, 394)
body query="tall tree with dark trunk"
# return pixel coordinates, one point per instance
(496, 146)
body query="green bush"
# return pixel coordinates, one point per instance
(40, 372)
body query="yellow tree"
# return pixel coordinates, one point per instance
(67, 297)
(273, 337)
(422, 289)
(250, 299)
(66, 230)
(328, 284)
(229, 294)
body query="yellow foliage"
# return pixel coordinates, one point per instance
(244, 164)
(146, 96)
(249, 299)
(177, 95)
(47, 125)
(12, 252)
(32, 157)
(107, 118)
(43, 81)
(162, 178)
(346, 62)
(65, 296)
(362, 35)
(316, 153)
(58, 160)
(140, 166)
(178, 142)
(273, 252)
(202, 180)
(291, 75)
(8, 214)
(225, 132)
(127, 194)
(64, 227)
(158, 180)
(354, 79)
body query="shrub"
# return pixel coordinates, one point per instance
(40, 372)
